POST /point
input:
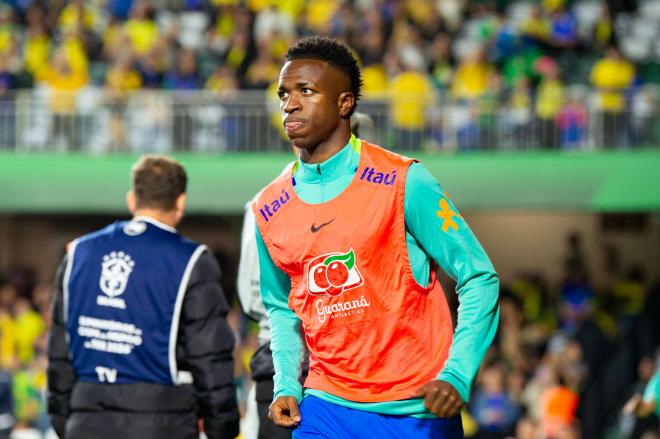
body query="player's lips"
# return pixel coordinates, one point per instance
(293, 125)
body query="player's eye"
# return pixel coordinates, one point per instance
(282, 94)
(306, 91)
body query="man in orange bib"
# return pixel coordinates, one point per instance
(349, 238)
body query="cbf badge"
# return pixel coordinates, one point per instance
(115, 271)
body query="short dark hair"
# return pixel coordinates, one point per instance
(334, 53)
(158, 181)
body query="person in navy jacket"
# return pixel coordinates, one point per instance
(140, 346)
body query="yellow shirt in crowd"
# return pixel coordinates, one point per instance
(375, 81)
(70, 18)
(549, 98)
(7, 341)
(29, 326)
(123, 80)
(612, 77)
(37, 49)
(471, 80)
(319, 12)
(412, 93)
(142, 33)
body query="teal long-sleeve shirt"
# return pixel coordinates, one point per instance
(434, 230)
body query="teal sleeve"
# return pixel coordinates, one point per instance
(439, 229)
(652, 390)
(285, 343)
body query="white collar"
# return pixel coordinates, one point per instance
(148, 219)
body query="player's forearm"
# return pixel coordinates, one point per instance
(286, 346)
(436, 224)
(478, 314)
(286, 343)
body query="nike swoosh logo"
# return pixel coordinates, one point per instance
(315, 229)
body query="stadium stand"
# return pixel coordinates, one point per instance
(174, 75)
(117, 76)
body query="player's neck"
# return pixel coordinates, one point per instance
(169, 218)
(323, 151)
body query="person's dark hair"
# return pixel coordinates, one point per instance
(158, 181)
(334, 53)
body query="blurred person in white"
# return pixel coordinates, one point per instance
(140, 347)
(256, 423)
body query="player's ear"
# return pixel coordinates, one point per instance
(131, 202)
(180, 207)
(346, 102)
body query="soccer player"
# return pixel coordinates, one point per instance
(140, 347)
(255, 423)
(349, 237)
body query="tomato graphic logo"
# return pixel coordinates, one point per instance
(333, 273)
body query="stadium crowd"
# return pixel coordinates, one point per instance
(567, 357)
(523, 74)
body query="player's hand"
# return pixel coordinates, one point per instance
(284, 411)
(440, 398)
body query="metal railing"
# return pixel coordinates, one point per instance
(94, 121)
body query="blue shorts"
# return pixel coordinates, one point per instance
(321, 419)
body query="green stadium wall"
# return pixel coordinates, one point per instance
(604, 181)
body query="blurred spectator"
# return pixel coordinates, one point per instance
(184, 77)
(572, 121)
(558, 404)
(563, 33)
(644, 108)
(29, 393)
(7, 116)
(223, 81)
(272, 23)
(37, 43)
(141, 28)
(492, 407)
(574, 261)
(151, 68)
(121, 79)
(441, 68)
(263, 71)
(411, 93)
(29, 326)
(641, 414)
(472, 76)
(77, 16)
(520, 116)
(612, 76)
(535, 28)
(650, 402)
(629, 294)
(8, 336)
(64, 82)
(119, 8)
(488, 105)
(526, 428)
(8, 38)
(549, 100)
(41, 298)
(603, 33)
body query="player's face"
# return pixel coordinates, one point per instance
(312, 101)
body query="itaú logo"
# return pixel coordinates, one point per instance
(333, 273)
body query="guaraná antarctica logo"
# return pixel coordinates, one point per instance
(115, 270)
(333, 273)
